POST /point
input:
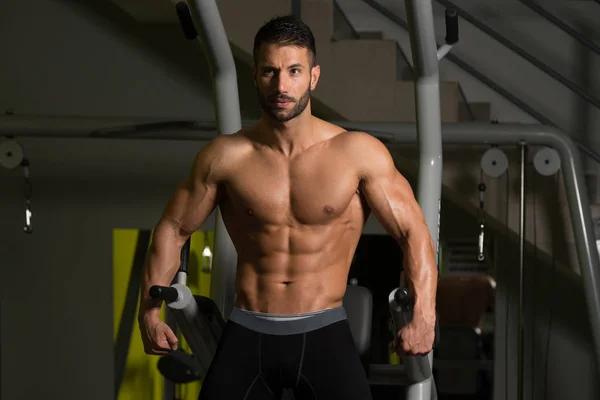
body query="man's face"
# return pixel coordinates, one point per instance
(284, 79)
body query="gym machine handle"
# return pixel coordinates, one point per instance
(166, 293)
(184, 258)
(403, 299)
(401, 305)
(451, 26)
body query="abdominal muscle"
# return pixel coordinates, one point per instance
(285, 270)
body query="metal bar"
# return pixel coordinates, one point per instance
(429, 137)
(227, 109)
(522, 211)
(75, 127)
(126, 325)
(169, 387)
(521, 52)
(561, 25)
(65, 127)
(588, 152)
(71, 127)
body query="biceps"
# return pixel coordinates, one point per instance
(190, 205)
(393, 203)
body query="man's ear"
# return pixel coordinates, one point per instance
(315, 73)
(254, 74)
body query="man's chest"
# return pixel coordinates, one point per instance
(310, 190)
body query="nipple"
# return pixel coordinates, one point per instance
(328, 210)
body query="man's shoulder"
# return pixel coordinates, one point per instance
(234, 140)
(366, 152)
(227, 145)
(343, 136)
(359, 141)
(220, 154)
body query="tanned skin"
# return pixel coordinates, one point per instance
(294, 192)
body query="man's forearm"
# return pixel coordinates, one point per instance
(162, 263)
(421, 272)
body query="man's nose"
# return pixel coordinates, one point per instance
(281, 82)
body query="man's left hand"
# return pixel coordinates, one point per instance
(416, 337)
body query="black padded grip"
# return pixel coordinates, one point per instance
(451, 26)
(184, 258)
(179, 367)
(185, 19)
(166, 293)
(403, 298)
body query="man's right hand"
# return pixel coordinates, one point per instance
(158, 338)
(189, 206)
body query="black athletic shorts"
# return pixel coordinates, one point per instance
(261, 355)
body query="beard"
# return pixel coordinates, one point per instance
(281, 115)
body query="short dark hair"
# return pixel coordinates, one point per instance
(287, 30)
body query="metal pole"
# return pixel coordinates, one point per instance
(227, 109)
(521, 268)
(427, 95)
(169, 386)
(429, 134)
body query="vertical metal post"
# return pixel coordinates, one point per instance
(227, 109)
(429, 133)
(297, 8)
(521, 324)
(169, 386)
(427, 96)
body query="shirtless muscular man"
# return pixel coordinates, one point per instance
(294, 193)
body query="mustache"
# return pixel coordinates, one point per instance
(275, 97)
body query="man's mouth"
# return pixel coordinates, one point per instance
(280, 102)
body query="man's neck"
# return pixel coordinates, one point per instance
(290, 137)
